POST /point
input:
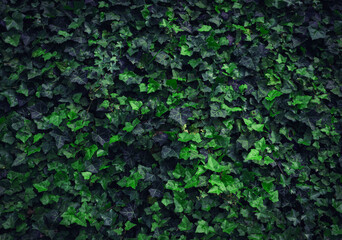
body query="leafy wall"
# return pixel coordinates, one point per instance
(170, 119)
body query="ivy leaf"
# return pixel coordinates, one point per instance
(60, 139)
(79, 79)
(258, 127)
(38, 110)
(216, 111)
(155, 192)
(162, 58)
(316, 33)
(42, 186)
(185, 224)
(273, 94)
(10, 221)
(136, 104)
(257, 203)
(90, 151)
(246, 143)
(56, 118)
(130, 126)
(253, 155)
(228, 227)
(70, 217)
(130, 77)
(11, 38)
(260, 145)
(114, 139)
(129, 225)
(132, 181)
(214, 166)
(86, 175)
(168, 152)
(274, 196)
(293, 217)
(268, 160)
(128, 212)
(205, 28)
(186, 137)
(20, 159)
(301, 101)
(203, 227)
(102, 135)
(180, 115)
(37, 137)
(185, 51)
(152, 86)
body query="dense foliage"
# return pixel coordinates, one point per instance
(190, 119)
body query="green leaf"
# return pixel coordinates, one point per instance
(258, 127)
(215, 190)
(185, 51)
(228, 227)
(229, 68)
(10, 221)
(114, 139)
(12, 39)
(90, 151)
(130, 126)
(37, 137)
(180, 115)
(161, 109)
(257, 203)
(214, 166)
(203, 227)
(79, 124)
(49, 198)
(153, 86)
(23, 135)
(205, 28)
(129, 225)
(42, 186)
(173, 185)
(273, 94)
(15, 22)
(336, 230)
(32, 149)
(260, 145)
(136, 104)
(130, 77)
(64, 33)
(20, 159)
(217, 112)
(178, 172)
(274, 196)
(246, 143)
(253, 155)
(316, 33)
(268, 186)
(195, 62)
(185, 224)
(229, 109)
(132, 181)
(268, 160)
(86, 175)
(186, 137)
(293, 217)
(301, 101)
(71, 217)
(56, 118)
(216, 181)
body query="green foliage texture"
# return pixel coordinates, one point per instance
(160, 119)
